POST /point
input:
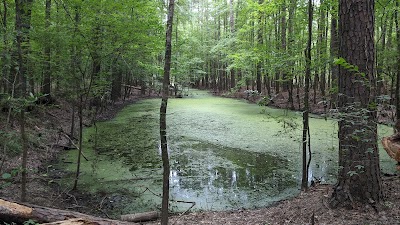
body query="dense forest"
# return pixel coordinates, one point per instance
(220, 45)
(84, 58)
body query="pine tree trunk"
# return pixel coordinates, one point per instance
(359, 178)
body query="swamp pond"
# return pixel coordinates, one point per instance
(224, 154)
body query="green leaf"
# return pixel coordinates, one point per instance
(6, 176)
(359, 167)
(370, 150)
(352, 173)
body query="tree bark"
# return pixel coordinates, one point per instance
(359, 178)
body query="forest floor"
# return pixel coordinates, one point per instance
(47, 129)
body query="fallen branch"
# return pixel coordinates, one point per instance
(72, 142)
(141, 217)
(132, 179)
(130, 86)
(193, 204)
(75, 221)
(64, 147)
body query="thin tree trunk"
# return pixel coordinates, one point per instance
(292, 7)
(22, 26)
(304, 181)
(277, 32)
(78, 163)
(6, 80)
(72, 130)
(24, 141)
(397, 63)
(381, 59)
(322, 47)
(116, 84)
(47, 51)
(232, 26)
(260, 43)
(283, 46)
(163, 115)
(334, 53)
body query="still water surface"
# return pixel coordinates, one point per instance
(224, 154)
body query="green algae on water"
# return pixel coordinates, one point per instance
(224, 154)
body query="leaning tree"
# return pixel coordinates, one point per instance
(359, 179)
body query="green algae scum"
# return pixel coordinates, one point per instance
(224, 154)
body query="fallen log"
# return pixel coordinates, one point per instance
(19, 213)
(141, 217)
